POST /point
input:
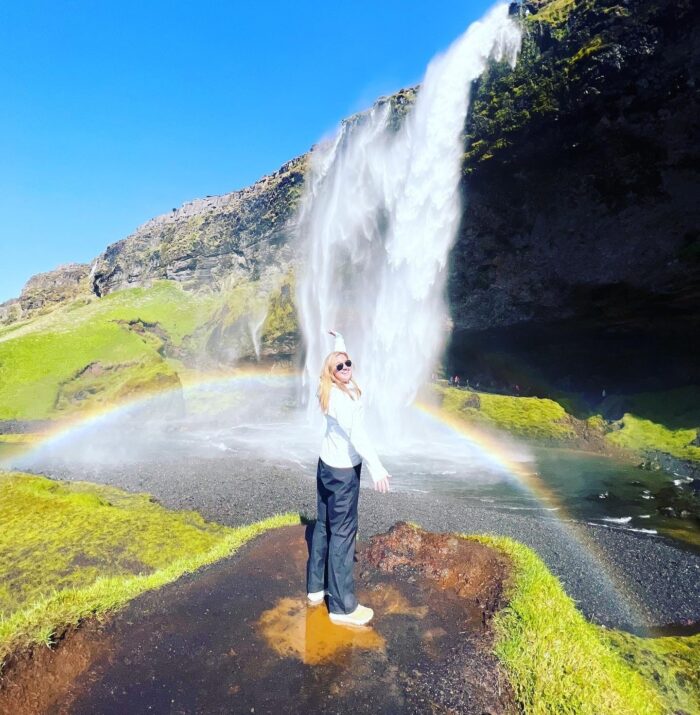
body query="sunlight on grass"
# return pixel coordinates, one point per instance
(532, 417)
(71, 550)
(558, 662)
(639, 435)
(39, 361)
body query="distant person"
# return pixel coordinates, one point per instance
(344, 446)
(456, 380)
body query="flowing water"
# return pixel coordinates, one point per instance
(380, 214)
(258, 418)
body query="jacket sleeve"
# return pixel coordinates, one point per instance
(339, 346)
(350, 416)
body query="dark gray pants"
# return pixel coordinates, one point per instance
(333, 540)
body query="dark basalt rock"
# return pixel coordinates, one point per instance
(233, 238)
(579, 251)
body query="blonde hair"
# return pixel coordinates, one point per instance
(328, 379)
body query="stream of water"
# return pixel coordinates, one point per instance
(380, 213)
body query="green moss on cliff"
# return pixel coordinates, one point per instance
(281, 320)
(531, 417)
(667, 421)
(553, 12)
(642, 435)
(569, 50)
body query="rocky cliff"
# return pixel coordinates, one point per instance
(578, 257)
(209, 241)
(45, 290)
(579, 253)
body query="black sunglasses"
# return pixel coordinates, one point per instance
(340, 365)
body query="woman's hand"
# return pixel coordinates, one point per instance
(383, 484)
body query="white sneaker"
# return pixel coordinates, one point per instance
(361, 616)
(316, 598)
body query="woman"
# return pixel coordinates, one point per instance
(344, 446)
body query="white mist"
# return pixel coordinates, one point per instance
(380, 214)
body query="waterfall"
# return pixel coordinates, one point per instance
(380, 213)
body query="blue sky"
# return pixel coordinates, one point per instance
(114, 112)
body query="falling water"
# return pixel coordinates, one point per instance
(380, 214)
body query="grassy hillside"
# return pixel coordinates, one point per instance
(94, 351)
(665, 422)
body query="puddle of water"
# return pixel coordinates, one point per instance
(293, 629)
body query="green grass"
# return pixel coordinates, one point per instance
(69, 551)
(43, 360)
(642, 435)
(530, 417)
(40, 360)
(671, 663)
(546, 420)
(558, 662)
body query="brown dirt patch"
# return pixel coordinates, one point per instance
(39, 679)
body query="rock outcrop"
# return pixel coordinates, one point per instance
(210, 241)
(46, 290)
(579, 251)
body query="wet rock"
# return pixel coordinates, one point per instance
(473, 400)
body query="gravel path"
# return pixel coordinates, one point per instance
(619, 579)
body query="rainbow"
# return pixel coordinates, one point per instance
(491, 446)
(86, 420)
(488, 444)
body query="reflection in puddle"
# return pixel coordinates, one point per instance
(389, 601)
(294, 630)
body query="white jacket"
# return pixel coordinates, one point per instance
(346, 442)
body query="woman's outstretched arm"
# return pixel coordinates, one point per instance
(339, 345)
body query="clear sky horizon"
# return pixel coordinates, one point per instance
(117, 112)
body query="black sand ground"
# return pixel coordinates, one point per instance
(620, 579)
